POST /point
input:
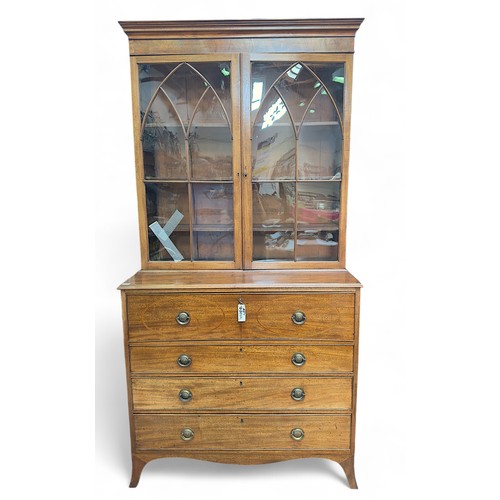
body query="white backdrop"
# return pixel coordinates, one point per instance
(423, 218)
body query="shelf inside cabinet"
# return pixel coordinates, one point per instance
(216, 228)
(198, 125)
(215, 180)
(274, 227)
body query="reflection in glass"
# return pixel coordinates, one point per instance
(273, 141)
(264, 74)
(163, 142)
(150, 77)
(320, 140)
(273, 245)
(213, 204)
(297, 86)
(318, 202)
(296, 111)
(314, 244)
(219, 77)
(210, 142)
(184, 88)
(273, 203)
(213, 245)
(333, 77)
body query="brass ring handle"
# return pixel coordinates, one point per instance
(183, 318)
(297, 434)
(298, 317)
(298, 359)
(184, 360)
(185, 395)
(298, 394)
(187, 434)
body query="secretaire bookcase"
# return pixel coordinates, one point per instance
(241, 328)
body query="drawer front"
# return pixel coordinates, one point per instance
(214, 316)
(242, 393)
(327, 316)
(243, 432)
(243, 359)
(153, 317)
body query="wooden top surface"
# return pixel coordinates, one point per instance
(137, 30)
(213, 280)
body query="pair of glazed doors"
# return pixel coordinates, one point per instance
(242, 160)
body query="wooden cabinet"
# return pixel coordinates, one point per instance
(241, 329)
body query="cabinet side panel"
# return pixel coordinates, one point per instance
(355, 375)
(127, 367)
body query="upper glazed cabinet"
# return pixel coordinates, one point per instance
(242, 155)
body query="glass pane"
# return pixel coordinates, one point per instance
(150, 77)
(298, 86)
(273, 141)
(163, 143)
(218, 75)
(210, 142)
(273, 245)
(273, 204)
(315, 244)
(264, 74)
(213, 205)
(213, 245)
(185, 88)
(162, 200)
(318, 202)
(332, 76)
(320, 141)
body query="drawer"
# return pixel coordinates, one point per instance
(214, 316)
(242, 393)
(153, 317)
(327, 316)
(243, 432)
(243, 359)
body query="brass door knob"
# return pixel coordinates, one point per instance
(187, 434)
(298, 317)
(297, 434)
(185, 395)
(298, 394)
(184, 360)
(183, 318)
(298, 359)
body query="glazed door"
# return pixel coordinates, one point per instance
(296, 129)
(187, 128)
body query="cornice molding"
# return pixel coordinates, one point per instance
(262, 28)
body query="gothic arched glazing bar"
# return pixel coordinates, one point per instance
(216, 95)
(331, 97)
(264, 97)
(153, 97)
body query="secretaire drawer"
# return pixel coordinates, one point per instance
(274, 316)
(239, 432)
(196, 358)
(241, 393)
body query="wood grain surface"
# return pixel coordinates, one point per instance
(241, 432)
(214, 316)
(154, 358)
(241, 393)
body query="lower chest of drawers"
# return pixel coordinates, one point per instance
(281, 383)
